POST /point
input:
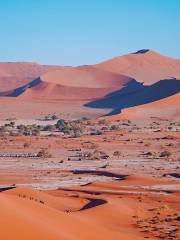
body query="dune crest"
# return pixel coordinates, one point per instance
(123, 82)
(37, 220)
(144, 65)
(166, 108)
(72, 83)
(17, 74)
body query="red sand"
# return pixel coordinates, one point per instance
(29, 214)
(22, 218)
(147, 67)
(108, 210)
(16, 74)
(76, 84)
(166, 108)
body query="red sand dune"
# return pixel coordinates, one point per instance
(167, 108)
(16, 74)
(113, 84)
(25, 218)
(31, 214)
(145, 66)
(60, 203)
(76, 84)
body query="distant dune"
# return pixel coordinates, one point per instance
(72, 83)
(167, 108)
(145, 66)
(122, 99)
(16, 74)
(126, 205)
(123, 82)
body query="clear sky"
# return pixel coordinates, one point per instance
(74, 32)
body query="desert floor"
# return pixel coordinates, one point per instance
(134, 195)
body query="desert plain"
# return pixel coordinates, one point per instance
(91, 152)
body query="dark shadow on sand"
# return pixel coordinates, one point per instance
(134, 94)
(93, 203)
(175, 175)
(5, 188)
(18, 91)
(100, 173)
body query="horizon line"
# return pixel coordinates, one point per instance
(140, 51)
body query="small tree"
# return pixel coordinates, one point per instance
(165, 154)
(54, 117)
(12, 124)
(43, 153)
(103, 121)
(117, 154)
(49, 128)
(26, 145)
(61, 123)
(114, 127)
(35, 132)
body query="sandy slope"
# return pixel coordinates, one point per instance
(108, 87)
(147, 66)
(167, 108)
(74, 84)
(16, 74)
(22, 218)
(60, 203)
(54, 215)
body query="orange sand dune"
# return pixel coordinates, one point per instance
(167, 108)
(60, 203)
(109, 87)
(110, 187)
(86, 78)
(16, 74)
(145, 66)
(74, 84)
(22, 218)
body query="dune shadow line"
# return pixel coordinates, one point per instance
(93, 203)
(100, 173)
(18, 91)
(125, 98)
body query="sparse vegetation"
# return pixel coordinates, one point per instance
(114, 127)
(26, 145)
(117, 154)
(44, 153)
(165, 154)
(49, 128)
(3, 131)
(103, 122)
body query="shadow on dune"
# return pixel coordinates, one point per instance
(18, 91)
(93, 203)
(175, 175)
(142, 51)
(131, 87)
(100, 173)
(81, 191)
(134, 94)
(5, 188)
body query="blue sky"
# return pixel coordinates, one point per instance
(74, 32)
